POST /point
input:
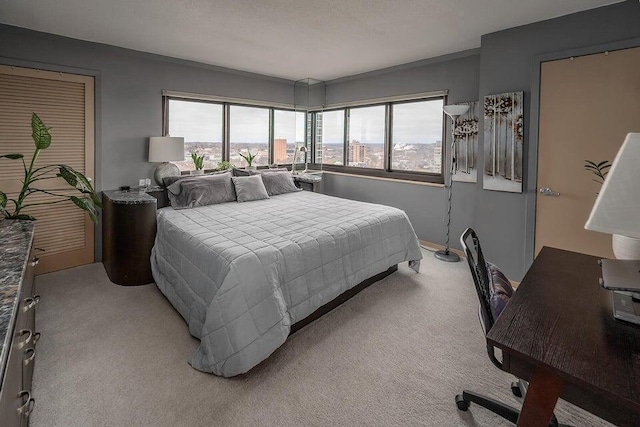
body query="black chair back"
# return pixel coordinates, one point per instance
(479, 272)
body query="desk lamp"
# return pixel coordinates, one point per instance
(617, 212)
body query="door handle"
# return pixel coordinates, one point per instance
(546, 191)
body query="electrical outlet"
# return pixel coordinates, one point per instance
(147, 182)
(141, 182)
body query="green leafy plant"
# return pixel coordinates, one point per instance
(87, 201)
(600, 170)
(198, 161)
(248, 157)
(224, 165)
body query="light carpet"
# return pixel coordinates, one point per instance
(394, 355)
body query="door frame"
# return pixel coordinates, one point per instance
(531, 173)
(97, 127)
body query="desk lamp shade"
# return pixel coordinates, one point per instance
(164, 149)
(617, 208)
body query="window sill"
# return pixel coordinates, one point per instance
(403, 181)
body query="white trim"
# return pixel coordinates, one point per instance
(386, 99)
(231, 100)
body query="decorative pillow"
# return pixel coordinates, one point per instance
(166, 182)
(280, 182)
(500, 290)
(250, 188)
(249, 172)
(202, 191)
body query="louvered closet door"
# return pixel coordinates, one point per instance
(64, 102)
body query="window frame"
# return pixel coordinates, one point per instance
(226, 125)
(387, 171)
(311, 115)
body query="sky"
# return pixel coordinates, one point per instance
(413, 123)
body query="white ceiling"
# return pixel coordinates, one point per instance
(293, 39)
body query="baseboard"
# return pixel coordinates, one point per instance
(436, 247)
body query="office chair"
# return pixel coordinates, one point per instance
(494, 291)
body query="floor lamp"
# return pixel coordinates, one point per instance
(453, 111)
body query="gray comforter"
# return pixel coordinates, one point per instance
(242, 273)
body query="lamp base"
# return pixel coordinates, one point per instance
(446, 255)
(625, 247)
(165, 170)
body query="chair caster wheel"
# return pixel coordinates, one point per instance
(462, 404)
(515, 389)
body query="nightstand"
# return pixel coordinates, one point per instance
(308, 181)
(128, 234)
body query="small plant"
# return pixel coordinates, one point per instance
(223, 166)
(248, 157)
(198, 161)
(600, 170)
(88, 201)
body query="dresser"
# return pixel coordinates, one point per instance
(128, 234)
(18, 338)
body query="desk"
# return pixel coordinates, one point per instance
(558, 333)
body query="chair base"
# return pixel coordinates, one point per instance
(509, 413)
(505, 411)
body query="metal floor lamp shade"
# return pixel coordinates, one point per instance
(453, 111)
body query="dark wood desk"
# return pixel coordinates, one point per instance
(558, 333)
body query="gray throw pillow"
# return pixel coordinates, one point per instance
(172, 179)
(280, 182)
(250, 188)
(249, 172)
(202, 191)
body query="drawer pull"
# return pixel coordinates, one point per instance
(27, 407)
(36, 338)
(36, 298)
(35, 260)
(29, 355)
(28, 303)
(27, 340)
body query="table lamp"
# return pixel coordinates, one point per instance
(165, 149)
(617, 212)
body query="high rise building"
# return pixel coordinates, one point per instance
(357, 152)
(437, 155)
(279, 150)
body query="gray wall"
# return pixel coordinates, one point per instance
(507, 59)
(425, 205)
(128, 94)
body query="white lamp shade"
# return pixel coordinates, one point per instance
(455, 110)
(617, 208)
(166, 149)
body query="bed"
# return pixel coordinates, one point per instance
(241, 274)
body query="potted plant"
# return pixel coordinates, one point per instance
(88, 200)
(249, 159)
(223, 166)
(198, 162)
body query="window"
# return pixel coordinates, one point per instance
(392, 138)
(417, 136)
(248, 132)
(288, 133)
(200, 123)
(366, 137)
(330, 137)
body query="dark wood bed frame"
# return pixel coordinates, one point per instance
(343, 297)
(163, 201)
